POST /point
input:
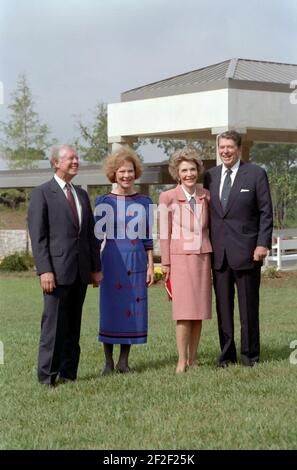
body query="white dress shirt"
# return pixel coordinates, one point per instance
(62, 185)
(233, 174)
(188, 195)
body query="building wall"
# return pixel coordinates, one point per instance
(179, 113)
(12, 241)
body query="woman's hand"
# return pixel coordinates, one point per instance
(150, 275)
(166, 272)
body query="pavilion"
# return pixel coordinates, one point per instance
(256, 98)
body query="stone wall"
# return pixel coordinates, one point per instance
(12, 241)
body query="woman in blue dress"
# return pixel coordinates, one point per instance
(124, 223)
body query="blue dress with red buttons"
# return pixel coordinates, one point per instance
(125, 224)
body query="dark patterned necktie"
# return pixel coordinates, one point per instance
(71, 201)
(193, 203)
(226, 189)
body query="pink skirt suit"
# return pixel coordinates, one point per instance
(186, 248)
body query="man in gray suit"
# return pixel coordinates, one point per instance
(67, 256)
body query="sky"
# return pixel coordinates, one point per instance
(76, 53)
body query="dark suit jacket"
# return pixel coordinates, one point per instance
(247, 220)
(58, 246)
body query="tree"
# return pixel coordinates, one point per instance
(95, 145)
(283, 195)
(169, 146)
(94, 135)
(25, 139)
(280, 161)
(275, 157)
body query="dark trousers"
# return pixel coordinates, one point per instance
(59, 348)
(247, 283)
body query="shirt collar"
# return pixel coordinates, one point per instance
(233, 168)
(61, 182)
(188, 195)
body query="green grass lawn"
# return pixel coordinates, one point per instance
(151, 408)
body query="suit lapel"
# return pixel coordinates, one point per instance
(184, 201)
(81, 201)
(215, 188)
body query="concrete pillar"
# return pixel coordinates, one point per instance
(245, 150)
(115, 146)
(84, 186)
(126, 141)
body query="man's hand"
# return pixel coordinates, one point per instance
(260, 253)
(47, 282)
(96, 278)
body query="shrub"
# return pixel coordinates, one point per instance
(28, 259)
(159, 276)
(13, 262)
(17, 262)
(272, 272)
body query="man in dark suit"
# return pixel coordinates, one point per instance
(240, 232)
(67, 256)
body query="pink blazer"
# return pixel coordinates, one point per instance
(182, 231)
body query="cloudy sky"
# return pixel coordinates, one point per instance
(79, 52)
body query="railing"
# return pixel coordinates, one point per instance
(283, 250)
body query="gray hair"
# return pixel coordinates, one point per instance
(57, 152)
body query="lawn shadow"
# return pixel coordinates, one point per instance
(269, 353)
(155, 364)
(275, 353)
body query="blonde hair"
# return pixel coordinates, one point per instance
(117, 158)
(187, 154)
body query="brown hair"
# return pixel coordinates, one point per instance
(233, 135)
(187, 154)
(116, 159)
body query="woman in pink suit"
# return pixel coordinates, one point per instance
(186, 252)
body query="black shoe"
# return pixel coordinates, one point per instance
(250, 364)
(52, 381)
(48, 385)
(108, 369)
(123, 369)
(64, 380)
(224, 364)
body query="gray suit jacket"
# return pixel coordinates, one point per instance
(58, 246)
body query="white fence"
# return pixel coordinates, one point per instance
(282, 251)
